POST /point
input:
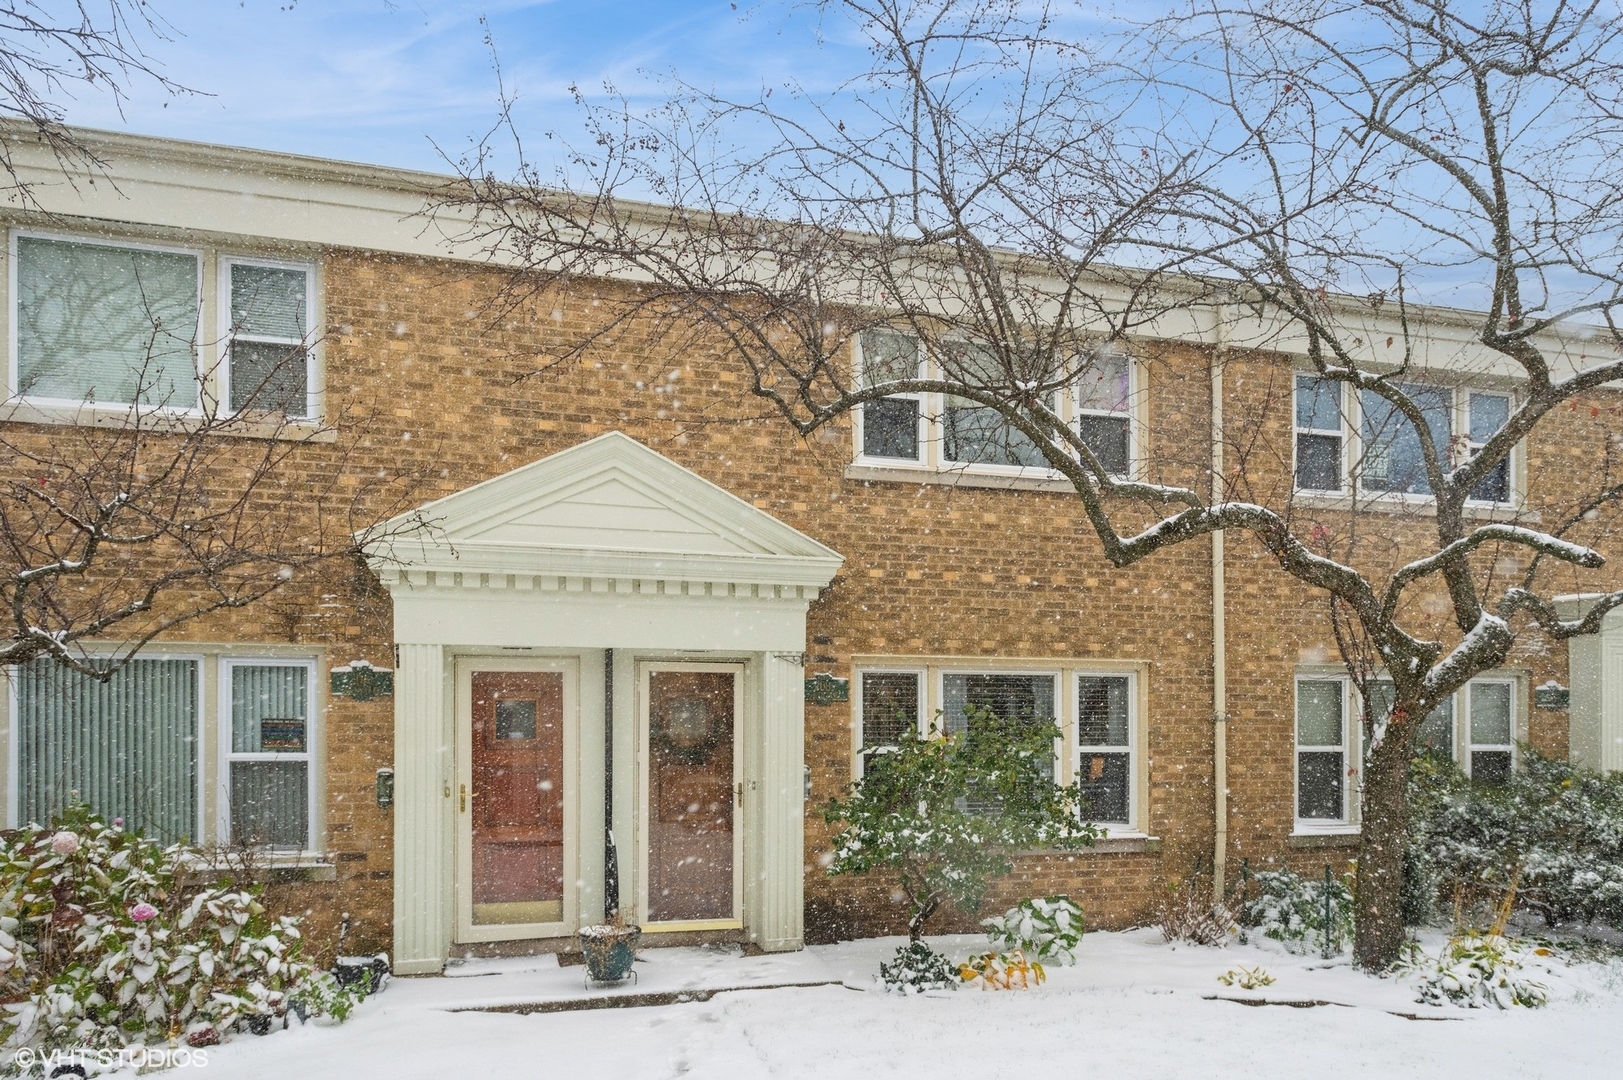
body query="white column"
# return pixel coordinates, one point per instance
(422, 833)
(776, 921)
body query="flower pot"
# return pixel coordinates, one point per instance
(609, 951)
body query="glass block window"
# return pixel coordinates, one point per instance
(1321, 751)
(127, 746)
(269, 338)
(1487, 414)
(1392, 450)
(1319, 435)
(1491, 723)
(268, 763)
(1104, 737)
(891, 703)
(1103, 416)
(105, 323)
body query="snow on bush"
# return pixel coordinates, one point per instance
(1188, 914)
(1550, 840)
(1044, 928)
(1477, 971)
(916, 968)
(1291, 909)
(105, 944)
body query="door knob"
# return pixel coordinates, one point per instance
(464, 798)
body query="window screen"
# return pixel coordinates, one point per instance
(270, 359)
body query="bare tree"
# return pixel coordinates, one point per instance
(129, 525)
(1016, 202)
(49, 48)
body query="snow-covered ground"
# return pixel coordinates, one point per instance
(1131, 1007)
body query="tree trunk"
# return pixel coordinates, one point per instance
(1377, 904)
(915, 925)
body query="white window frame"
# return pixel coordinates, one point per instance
(1130, 413)
(859, 752)
(1351, 762)
(1465, 736)
(932, 457)
(1135, 737)
(13, 363)
(222, 824)
(1343, 433)
(228, 336)
(927, 446)
(1353, 448)
(200, 726)
(1462, 425)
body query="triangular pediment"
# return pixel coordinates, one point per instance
(611, 500)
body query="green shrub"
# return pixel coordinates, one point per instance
(1044, 928)
(916, 968)
(1291, 909)
(1550, 841)
(104, 943)
(1476, 971)
(946, 814)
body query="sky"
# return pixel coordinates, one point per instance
(396, 82)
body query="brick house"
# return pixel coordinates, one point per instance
(646, 611)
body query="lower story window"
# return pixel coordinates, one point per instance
(131, 747)
(268, 755)
(127, 746)
(891, 706)
(1321, 752)
(1104, 737)
(1490, 754)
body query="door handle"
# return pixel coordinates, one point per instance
(739, 793)
(464, 798)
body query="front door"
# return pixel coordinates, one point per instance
(516, 850)
(691, 794)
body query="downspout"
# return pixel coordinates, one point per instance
(611, 858)
(1220, 704)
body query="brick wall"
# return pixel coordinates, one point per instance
(431, 399)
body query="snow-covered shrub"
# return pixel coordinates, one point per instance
(1010, 970)
(1550, 840)
(1044, 928)
(947, 814)
(1188, 914)
(1477, 971)
(916, 968)
(108, 943)
(1291, 909)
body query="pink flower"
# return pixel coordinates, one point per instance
(119, 822)
(65, 842)
(143, 911)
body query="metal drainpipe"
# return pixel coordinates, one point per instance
(1220, 704)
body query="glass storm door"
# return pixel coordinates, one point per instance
(690, 813)
(511, 802)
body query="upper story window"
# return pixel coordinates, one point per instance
(114, 325)
(976, 434)
(892, 427)
(1103, 414)
(947, 432)
(1386, 457)
(268, 337)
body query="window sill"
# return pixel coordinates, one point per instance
(1034, 480)
(1346, 836)
(277, 867)
(118, 416)
(1422, 506)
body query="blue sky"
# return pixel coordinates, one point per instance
(383, 81)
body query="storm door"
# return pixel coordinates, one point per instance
(691, 833)
(513, 799)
